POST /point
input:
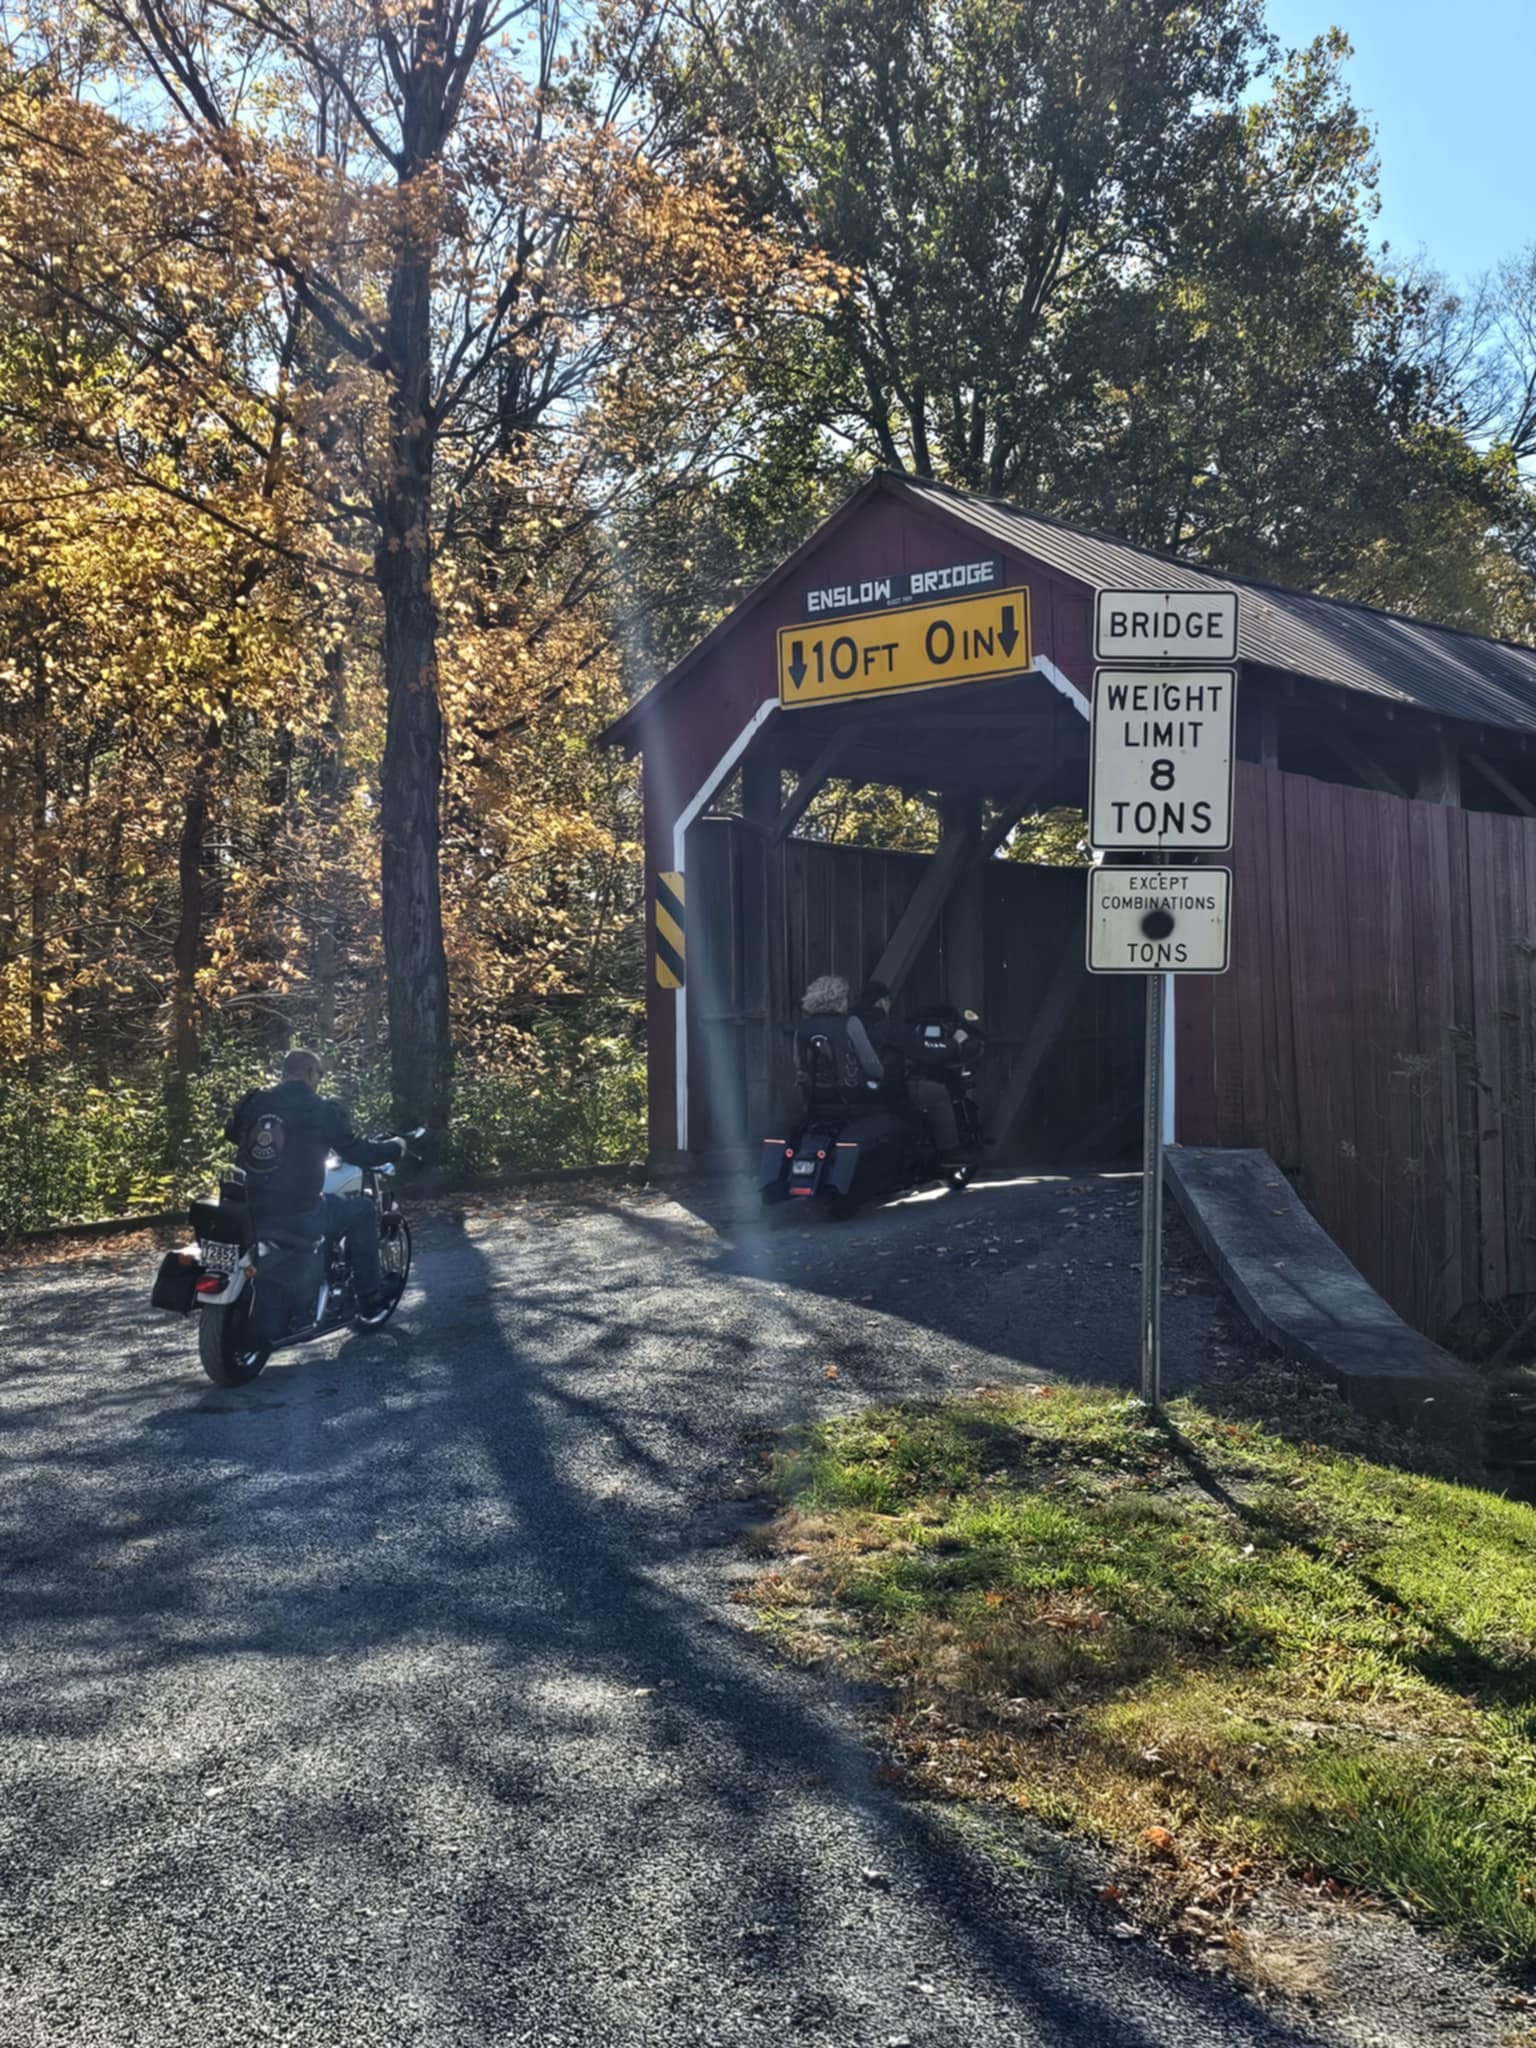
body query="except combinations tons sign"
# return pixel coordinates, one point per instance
(1158, 920)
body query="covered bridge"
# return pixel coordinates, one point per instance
(1377, 1031)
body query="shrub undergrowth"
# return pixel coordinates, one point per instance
(76, 1147)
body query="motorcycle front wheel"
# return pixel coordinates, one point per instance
(224, 1344)
(395, 1261)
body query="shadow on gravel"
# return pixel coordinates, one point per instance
(614, 1724)
(760, 1737)
(753, 1739)
(1041, 1270)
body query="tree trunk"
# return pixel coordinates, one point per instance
(187, 946)
(11, 793)
(415, 960)
(42, 870)
(328, 779)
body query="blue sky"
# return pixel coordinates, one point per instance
(1450, 89)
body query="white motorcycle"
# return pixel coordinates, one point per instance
(256, 1295)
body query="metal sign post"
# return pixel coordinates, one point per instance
(1152, 1199)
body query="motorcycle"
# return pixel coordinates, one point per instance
(851, 1147)
(257, 1293)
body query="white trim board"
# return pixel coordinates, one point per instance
(700, 798)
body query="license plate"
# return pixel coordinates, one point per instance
(805, 1166)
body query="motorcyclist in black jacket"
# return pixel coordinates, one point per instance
(925, 1092)
(282, 1136)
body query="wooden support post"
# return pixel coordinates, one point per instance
(762, 779)
(1016, 808)
(965, 948)
(1439, 769)
(958, 869)
(1515, 797)
(812, 782)
(928, 900)
(768, 1066)
(1043, 1032)
(1269, 735)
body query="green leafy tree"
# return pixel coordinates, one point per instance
(985, 175)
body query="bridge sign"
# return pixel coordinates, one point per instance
(1160, 764)
(910, 647)
(1165, 625)
(1157, 920)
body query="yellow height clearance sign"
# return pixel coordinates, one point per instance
(910, 647)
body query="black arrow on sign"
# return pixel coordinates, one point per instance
(797, 662)
(1010, 633)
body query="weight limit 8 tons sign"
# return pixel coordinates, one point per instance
(1161, 766)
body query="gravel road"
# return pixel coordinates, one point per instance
(399, 1698)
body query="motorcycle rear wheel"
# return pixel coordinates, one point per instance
(223, 1343)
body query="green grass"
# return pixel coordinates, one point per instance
(1272, 1651)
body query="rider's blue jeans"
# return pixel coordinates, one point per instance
(354, 1218)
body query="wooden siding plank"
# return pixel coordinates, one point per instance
(1433, 1089)
(1194, 1048)
(1245, 990)
(846, 905)
(1464, 1054)
(1282, 1122)
(1522, 1274)
(1230, 1018)
(1519, 1132)
(1405, 1221)
(1325, 939)
(1300, 893)
(1372, 1037)
(1489, 915)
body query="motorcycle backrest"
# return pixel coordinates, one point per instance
(220, 1222)
(819, 1060)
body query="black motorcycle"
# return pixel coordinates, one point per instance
(856, 1145)
(254, 1293)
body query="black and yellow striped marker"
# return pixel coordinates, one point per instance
(671, 930)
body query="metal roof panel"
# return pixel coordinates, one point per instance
(1402, 660)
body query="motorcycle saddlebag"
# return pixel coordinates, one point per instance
(771, 1177)
(287, 1290)
(175, 1286)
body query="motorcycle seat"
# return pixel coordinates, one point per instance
(285, 1239)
